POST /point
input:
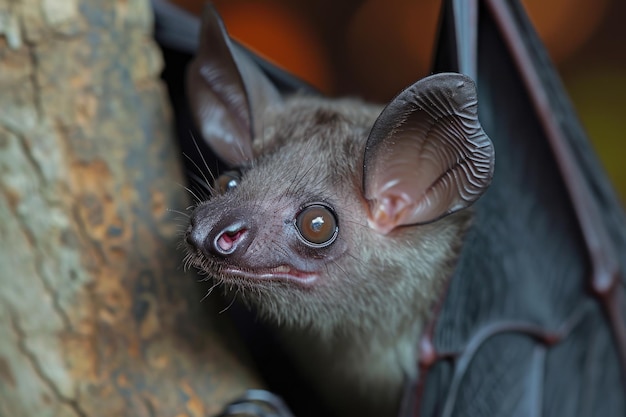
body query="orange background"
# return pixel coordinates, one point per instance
(373, 48)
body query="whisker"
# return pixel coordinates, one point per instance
(182, 213)
(336, 264)
(215, 285)
(206, 165)
(296, 182)
(231, 303)
(206, 188)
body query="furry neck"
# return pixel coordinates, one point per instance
(358, 374)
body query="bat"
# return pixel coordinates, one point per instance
(532, 321)
(333, 209)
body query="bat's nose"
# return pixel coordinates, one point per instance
(230, 236)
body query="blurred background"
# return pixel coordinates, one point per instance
(374, 48)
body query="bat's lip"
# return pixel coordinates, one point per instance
(278, 273)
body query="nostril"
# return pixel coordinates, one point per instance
(226, 237)
(227, 241)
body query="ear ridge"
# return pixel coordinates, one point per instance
(427, 155)
(225, 90)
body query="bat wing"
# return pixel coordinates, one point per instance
(533, 322)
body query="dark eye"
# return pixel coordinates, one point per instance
(227, 181)
(317, 225)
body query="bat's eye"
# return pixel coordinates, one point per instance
(227, 181)
(317, 225)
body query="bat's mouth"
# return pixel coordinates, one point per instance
(278, 273)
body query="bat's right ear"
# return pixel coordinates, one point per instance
(225, 90)
(427, 155)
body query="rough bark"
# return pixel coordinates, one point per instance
(97, 317)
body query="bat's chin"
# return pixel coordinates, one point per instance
(284, 273)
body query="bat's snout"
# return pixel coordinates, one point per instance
(230, 236)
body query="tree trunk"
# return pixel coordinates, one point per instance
(97, 317)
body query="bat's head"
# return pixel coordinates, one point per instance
(335, 211)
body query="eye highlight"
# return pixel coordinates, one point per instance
(317, 225)
(227, 181)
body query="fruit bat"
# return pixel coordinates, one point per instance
(532, 320)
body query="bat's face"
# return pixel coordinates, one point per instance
(290, 229)
(338, 208)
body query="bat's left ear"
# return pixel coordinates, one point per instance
(227, 92)
(427, 155)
